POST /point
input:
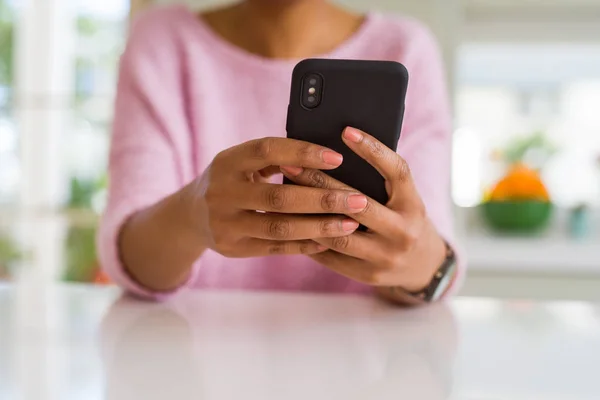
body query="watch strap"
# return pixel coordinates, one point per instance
(426, 295)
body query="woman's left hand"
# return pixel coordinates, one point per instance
(401, 247)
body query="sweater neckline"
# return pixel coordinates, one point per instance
(218, 43)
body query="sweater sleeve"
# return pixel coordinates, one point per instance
(148, 158)
(426, 141)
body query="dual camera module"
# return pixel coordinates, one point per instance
(312, 90)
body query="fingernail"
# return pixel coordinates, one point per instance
(332, 158)
(293, 171)
(349, 225)
(356, 202)
(353, 135)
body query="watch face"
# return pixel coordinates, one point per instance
(444, 282)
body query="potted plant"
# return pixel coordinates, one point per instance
(519, 201)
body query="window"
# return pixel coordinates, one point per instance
(55, 115)
(524, 69)
(527, 82)
(100, 29)
(9, 160)
(507, 90)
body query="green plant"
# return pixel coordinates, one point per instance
(82, 191)
(80, 242)
(9, 250)
(533, 149)
(10, 253)
(6, 44)
(80, 254)
(88, 26)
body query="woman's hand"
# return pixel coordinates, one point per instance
(401, 247)
(225, 200)
(218, 210)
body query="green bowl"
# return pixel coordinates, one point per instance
(517, 216)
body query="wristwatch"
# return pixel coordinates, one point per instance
(441, 282)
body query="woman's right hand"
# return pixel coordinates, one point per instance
(241, 215)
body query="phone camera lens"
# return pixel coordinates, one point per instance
(312, 90)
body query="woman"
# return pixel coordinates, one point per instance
(200, 129)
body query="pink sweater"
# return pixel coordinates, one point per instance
(185, 94)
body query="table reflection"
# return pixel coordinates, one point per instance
(253, 346)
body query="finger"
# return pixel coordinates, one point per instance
(385, 160)
(260, 153)
(290, 227)
(259, 247)
(374, 216)
(292, 199)
(352, 268)
(390, 165)
(313, 178)
(361, 245)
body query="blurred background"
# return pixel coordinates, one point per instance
(525, 84)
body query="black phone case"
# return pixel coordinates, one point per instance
(368, 95)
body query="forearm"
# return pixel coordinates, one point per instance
(159, 245)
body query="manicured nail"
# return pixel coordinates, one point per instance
(321, 248)
(353, 135)
(293, 171)
(349, 225)
(356, 202)
(332, 158)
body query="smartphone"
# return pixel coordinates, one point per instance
(329, 95)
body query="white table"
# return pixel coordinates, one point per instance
(81, 343)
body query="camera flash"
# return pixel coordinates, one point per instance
(311, 90)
